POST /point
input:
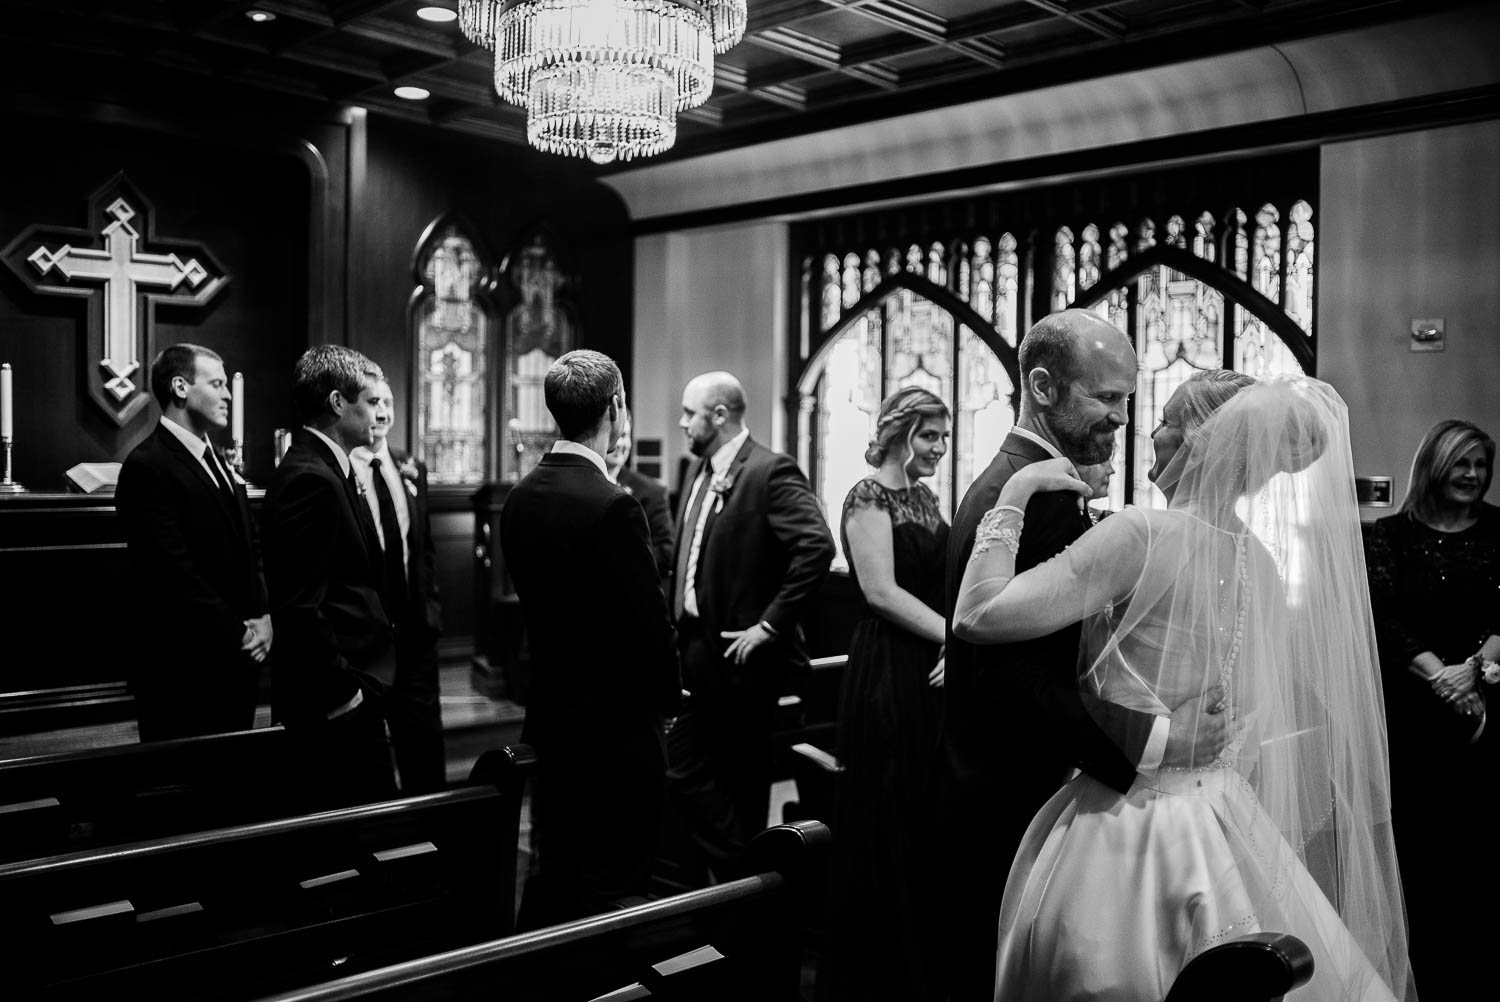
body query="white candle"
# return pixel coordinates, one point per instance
(7, 426)
(237, 426)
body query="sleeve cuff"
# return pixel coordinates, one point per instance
(1156, 745)
(359, 697)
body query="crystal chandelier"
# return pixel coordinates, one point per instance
(603, 78)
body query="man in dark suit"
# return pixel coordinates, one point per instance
(604, 671)
(1016, 719)
(194, 558)
(394, 488)
(336, 652)
(652, 495)
(752, 548)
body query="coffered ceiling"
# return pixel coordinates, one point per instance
(803, 66)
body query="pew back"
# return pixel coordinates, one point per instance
(51, 804)
(241, 911)
(739, 941)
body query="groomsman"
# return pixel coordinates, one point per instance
(195, 564)
(603, 669)
(395, 490)
(325, 572)
(752, 548)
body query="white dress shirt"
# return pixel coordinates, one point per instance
(718, 463)
(1156, 744)
(364, 474)
(197, 445)
(568, 448)
(338, 450)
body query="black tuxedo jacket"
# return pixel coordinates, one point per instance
(196, 572)
(423, 629)
(604, 668)
(323, 572)
(766, 548)
(1015, 717)
(652, 495)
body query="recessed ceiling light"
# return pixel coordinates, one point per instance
(440, 15)
(413, 93)
(260, 16)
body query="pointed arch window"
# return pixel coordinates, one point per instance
(909, 330)
(540, 326)
(1201, 267)
(452, 320)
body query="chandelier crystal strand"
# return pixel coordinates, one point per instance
(476, 19)
(661, 34)
(605, 112)
(726, 19)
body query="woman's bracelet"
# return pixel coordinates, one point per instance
(1001, 524)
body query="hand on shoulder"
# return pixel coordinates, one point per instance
(1039, 478)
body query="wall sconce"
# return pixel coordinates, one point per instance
(1427, 334)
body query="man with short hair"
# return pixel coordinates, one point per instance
(324, 570)
(752, 549)
(394, 487)
(194, 558)
(1016, 719)
(603, 668)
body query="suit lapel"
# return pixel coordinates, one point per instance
(355, 508)
(695, 471)
(195, 469)
(736, 467)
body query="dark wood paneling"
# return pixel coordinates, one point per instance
(415, 175)
(249, 207)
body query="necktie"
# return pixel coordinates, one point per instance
(217, 471)
(390, 526)
(685, 546)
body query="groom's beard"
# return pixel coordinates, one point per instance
(1085, 444)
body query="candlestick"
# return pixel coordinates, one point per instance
(237, 420)
(7, 485)
(7, 420)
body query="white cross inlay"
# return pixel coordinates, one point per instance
(121, 269)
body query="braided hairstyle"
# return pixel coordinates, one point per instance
(900, 415)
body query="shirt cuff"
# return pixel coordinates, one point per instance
(359, 697)
(1156, 745)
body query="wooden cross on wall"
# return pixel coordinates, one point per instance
(122, 282)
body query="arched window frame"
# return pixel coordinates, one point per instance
(1118, 221)
(481, 297)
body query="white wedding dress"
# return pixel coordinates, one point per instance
(1288, 830)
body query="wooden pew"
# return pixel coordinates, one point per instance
(242, 911)
(51, 804)
(1260, 967)
(738, 941)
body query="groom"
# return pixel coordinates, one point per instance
(1016, 719)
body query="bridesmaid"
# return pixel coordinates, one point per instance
(896, 540)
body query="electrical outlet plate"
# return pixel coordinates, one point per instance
(1427, 334)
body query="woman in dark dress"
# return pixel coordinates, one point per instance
(1435, 587)
(896, 540)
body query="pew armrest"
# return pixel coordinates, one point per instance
(1260, 967)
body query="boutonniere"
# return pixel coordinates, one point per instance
(408, 468)
(721, 484)
(627, 489)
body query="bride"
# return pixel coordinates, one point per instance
(1252, 579)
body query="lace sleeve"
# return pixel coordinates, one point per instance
(866, 494)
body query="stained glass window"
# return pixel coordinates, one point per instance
(452, 412)
(1244, 222)
(538, 330)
